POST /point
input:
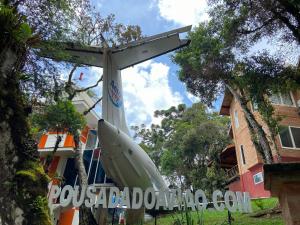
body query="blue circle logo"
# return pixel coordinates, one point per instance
(114, 94)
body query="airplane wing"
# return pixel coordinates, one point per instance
(71, 52)
(124, 55)
(148, 48)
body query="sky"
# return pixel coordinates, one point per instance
(152, 85)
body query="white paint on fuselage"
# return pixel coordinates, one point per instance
(125, 161)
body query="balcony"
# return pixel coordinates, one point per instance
(47, 143)
(229, 163)
(232, 173)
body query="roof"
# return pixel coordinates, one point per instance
(225, 107)
(82, 101)
(228, 157)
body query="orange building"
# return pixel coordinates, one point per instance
(241, 161)
(62, 170)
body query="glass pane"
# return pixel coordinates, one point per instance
(92, 172)
(255, 106)
(296, 136)
(258, 178)
(275, 99)
(87, 155)
(109, 180)
(69, 173)
(236, 119)
(285, 137)
(92, 139)
(286, 99)
(100, 174)
(243, 154)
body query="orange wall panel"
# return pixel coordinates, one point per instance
(84, 134)
(69, 142)
(43, 141)
(66, 217)
(53, 166)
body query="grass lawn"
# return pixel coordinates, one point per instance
(212, 217)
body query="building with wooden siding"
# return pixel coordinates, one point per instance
(243, 164)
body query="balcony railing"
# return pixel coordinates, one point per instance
(232, 173)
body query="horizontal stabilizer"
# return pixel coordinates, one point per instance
(123, 55)
(75, 53)
(137, 54)
(153, 37)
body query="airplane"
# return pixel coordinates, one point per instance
(123, 160)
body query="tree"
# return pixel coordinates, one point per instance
(213, 62)
(26, 78)
(63, 118)
(60, 118)
(19, 160)
(248, 21)
(188, 139)
(88, 28)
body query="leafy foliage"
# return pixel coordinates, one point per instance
(13, 26)
(220, 56)
(205, 63)
(59, 117)
(184, 143)
(248, 21)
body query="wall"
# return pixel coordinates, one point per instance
(242, 136)
(253, 160)
(246, 184)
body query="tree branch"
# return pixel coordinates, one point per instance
(295, 30)
(244, 31)
(56, 89)
(71, 74)
(92, 107)
(291, 8)
(87, 88)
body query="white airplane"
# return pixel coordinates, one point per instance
(124, 161)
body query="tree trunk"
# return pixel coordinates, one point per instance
(20, 203)
(49, 158)
(255, 128)
(85, 214)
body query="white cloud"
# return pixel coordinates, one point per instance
(91, 77)
(146, 89)
(192, 98)
(184, 12)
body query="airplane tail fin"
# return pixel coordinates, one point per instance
(113, 102)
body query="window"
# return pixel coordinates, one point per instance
(282, 99)
(243, 155)
(91, 140)
(258, 178)
(254, 106)
(93, 168)
(289, 137)
(236, 119)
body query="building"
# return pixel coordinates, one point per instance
(62, 167)
(241, 161)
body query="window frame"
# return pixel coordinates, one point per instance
(281, 100)
(236, 119)
(87, 139)
(262, 176)
(254, 106)
(292, 138)
(243, 158)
